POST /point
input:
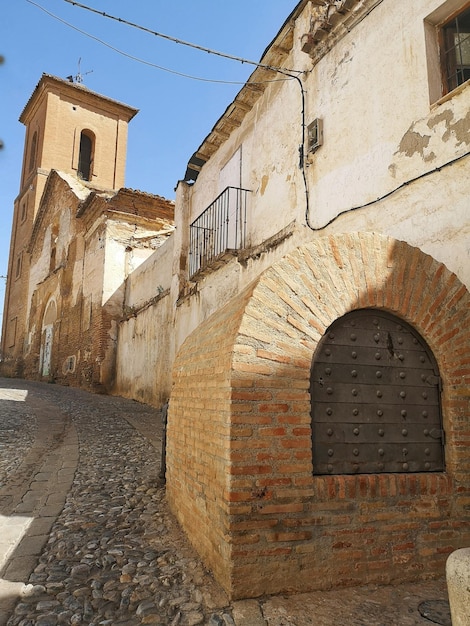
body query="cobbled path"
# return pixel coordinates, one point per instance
(17, 432)
(115, 554)
(79, 474)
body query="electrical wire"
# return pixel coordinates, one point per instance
(180, 41)
(388, 194)
(289, 74)
(149, 63)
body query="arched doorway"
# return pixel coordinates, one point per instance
(240, 467)
(47, 336)
(375, 398)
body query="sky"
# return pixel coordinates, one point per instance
(178, 103)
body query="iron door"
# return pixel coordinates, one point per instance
(375, 393)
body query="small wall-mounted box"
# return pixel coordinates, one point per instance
(315, 135)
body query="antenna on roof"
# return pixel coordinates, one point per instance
(78, 78)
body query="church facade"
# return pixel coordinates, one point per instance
(77, 234)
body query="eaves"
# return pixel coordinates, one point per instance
(330, 21)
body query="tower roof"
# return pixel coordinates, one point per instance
(75, 91)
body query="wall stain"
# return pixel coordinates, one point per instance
(414, 143)
(264, 184)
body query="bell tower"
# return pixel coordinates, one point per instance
(77, 132)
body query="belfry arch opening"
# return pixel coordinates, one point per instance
(85, 158)
(375, 398)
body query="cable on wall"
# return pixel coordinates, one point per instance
(389, 193)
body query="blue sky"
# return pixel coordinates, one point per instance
(176, 113)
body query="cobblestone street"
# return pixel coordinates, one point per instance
(86, 536)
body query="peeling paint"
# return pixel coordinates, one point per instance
(446, 116)
(414, 143)
(429, 157)
(264, 184)
(459, 129)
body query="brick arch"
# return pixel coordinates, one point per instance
(50, 312)
(240, 460)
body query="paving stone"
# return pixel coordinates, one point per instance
(41, 526)
(31, 546)
(248, 613)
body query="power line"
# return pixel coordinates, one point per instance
(149, 63)
(181, 41)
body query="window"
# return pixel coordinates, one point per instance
(11, 332)
(18, 266)
(85, 158)
(69, 365)
(375, 394)
(24, 211)
(52, 262)
(455, 50)
(33, 151)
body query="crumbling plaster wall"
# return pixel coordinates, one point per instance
(392, 162)
(145, 352)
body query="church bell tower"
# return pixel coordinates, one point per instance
(77, 132)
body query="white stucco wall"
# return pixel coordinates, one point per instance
(152, 277)
(145, 354)
(393, 160)
(380, 132)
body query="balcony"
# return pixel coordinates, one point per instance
(219, 231)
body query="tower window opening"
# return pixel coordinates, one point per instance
(85, 159)
(33, 151)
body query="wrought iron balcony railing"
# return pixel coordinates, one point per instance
(219, 230)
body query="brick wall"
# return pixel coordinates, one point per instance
(239, 437)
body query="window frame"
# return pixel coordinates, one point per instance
(434, 40)
(444, 50)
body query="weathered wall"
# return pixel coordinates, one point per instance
(145, 332)
(152, 277)
(393, 164)
(239, 435)
(371, 136)
(388, 164)
(78, 259)
(145, 353)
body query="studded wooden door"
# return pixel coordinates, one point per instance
(375, 392)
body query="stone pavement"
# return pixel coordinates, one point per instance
(86, 536)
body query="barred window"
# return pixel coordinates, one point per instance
(455, 50)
